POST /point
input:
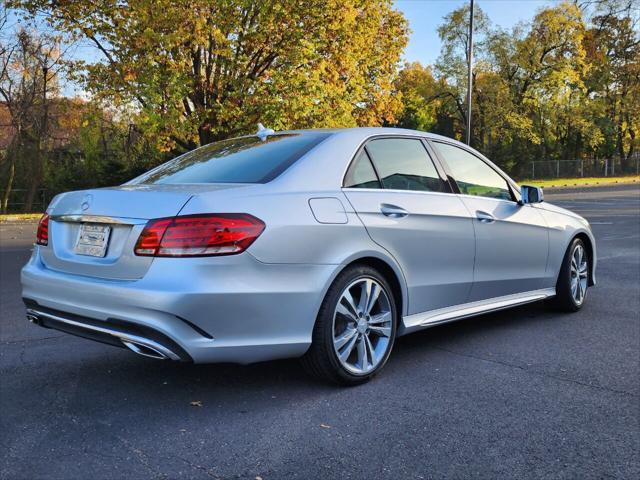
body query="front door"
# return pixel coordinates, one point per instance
(512, 240)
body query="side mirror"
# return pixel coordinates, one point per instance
(531, 194)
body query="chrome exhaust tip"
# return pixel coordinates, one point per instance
(144, 350)
(146, 347)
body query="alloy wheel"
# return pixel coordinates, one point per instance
(362, 326)
(579, 274)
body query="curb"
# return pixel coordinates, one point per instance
(20, 218)
(592, 184)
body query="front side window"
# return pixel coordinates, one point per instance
(473, 176)
(403, 164)
(238, 160)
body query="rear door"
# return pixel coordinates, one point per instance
(512, 240)
(408, 209)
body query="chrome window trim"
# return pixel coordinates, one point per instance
(393, 190)
(487, 198)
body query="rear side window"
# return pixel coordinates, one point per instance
(361, 173)
(238, 160)
(403, 164)
(473, 176)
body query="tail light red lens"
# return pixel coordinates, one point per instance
(198, 235)
(42, 237)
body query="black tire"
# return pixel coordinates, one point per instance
(564, 300)
(321, 360)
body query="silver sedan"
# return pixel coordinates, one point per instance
(320, 244)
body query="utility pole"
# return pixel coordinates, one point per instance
(470, 74)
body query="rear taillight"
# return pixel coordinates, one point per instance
(198, 235)
(42, 237)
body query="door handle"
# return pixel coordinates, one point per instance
(393, 211)
(485, 217)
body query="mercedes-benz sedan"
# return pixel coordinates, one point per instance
(320, 244)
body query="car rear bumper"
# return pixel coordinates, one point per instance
(215, 309)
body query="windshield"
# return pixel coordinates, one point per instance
(238, 160)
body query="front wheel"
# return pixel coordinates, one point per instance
(355, 329)
(573, 280)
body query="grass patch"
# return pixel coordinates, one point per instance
(20, 217)
(580, 182)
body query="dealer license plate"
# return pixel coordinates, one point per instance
(93, 240)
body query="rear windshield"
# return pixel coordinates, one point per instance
(238, 160)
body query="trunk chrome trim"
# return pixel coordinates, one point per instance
(96, 219)
(418, 321)
(127, 339)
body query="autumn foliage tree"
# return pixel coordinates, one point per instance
(30, 63)
(165, 76)
(564, 86)
(207, 69)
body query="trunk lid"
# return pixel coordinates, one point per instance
(113, 218)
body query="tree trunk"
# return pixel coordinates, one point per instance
(9, 185)
(625, 161)
(34, 183)
(38, 164)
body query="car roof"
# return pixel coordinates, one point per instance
(369, 131)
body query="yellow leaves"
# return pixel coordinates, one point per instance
(522, 126)
(203, 69)
(129, 76)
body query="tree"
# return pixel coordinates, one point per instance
(613, 44)
(556, 88)
(420, 97)
(29, 67)
(452, 64)
(207, 69)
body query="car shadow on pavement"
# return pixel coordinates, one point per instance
(96, 377)
(121, 366)
(482, 325)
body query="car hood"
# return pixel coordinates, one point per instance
(550, 207)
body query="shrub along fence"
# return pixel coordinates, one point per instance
(15, 203)
(607, 167)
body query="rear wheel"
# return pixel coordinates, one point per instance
(355, 329)
(573, 280)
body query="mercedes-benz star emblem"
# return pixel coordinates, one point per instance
(86, 202)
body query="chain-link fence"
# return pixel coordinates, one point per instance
(607, 167)
(17, 198)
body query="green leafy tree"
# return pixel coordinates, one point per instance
(451, 65)
(420, 92)
(613, 45)
(559, 87)
(30, 64)
(208, 69)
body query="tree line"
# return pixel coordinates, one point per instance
(170, 76)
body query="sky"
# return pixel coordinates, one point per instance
(425, 16)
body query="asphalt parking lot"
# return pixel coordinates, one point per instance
(524, 393)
